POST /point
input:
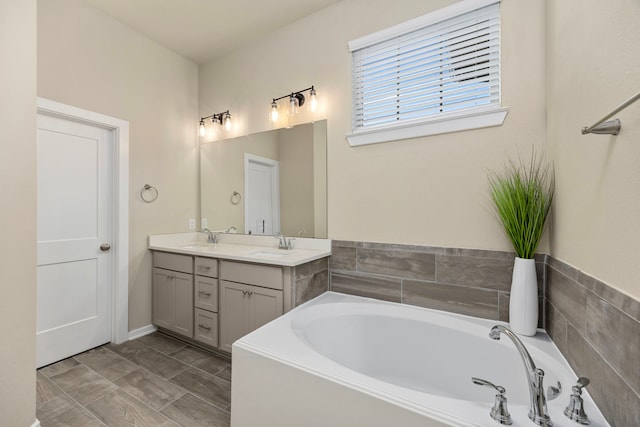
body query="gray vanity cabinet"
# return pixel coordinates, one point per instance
(172, 304)
(250, 296)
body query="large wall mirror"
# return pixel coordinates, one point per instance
(268, 182)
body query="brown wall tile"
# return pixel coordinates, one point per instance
(343, 258)
(383, 288)
(617, 401)
(487, 273)
(616, 337)
(456, 299)
(412, 265)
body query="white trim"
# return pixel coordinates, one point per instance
(36, 423)
(140, 332)
(454, 123)
(120, 128)
(419, 22)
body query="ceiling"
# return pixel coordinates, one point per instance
(201, 30)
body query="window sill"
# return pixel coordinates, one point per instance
(453, 123)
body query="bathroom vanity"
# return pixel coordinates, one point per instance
(215, 293)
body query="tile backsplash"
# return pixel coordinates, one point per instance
(464, 281)
(596, 327)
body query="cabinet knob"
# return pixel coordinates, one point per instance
(206, 328)
(206, 294)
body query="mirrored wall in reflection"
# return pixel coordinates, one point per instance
(266, 183)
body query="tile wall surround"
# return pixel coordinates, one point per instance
(596, 327)
(466, 281)
(310, 280)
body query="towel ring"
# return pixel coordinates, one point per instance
(235, 198)
(149, 189)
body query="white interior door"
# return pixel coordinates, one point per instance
(262, 195)
(74, 273)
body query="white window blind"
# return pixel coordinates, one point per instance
(440, 69)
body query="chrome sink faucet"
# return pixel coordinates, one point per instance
(283, 242)
(538, 412)
(211, 236)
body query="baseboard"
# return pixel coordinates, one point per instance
(36, 423)
(140, 332)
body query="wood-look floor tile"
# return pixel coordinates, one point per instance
(161, 342)
(208, 387)
(119, 409)
(225, 374)
(45, 389)
(128, 349)
(59, 367)
(83, 384)
(190, 411)
(148, 358)
(201, 359)
(106, 363)
(158, 363)
(63, 411)
(150, 389)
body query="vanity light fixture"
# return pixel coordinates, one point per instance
(296, 100)
(218, 120)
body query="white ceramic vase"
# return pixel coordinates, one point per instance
(523, 301)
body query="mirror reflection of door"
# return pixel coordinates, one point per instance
(262, 195)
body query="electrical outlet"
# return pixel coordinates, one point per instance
(204, 223)
(192, 223)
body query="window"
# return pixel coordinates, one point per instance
(437, 73)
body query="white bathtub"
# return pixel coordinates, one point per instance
(341, 360)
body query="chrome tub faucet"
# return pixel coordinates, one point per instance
(538, 412)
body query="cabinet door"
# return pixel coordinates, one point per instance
(234, 314)
(264, 306)
(183, 304)
(162, 299)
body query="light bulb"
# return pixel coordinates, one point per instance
(313, 100)
(227, 121)
(274, 111)
(293, 105)
(203, 129)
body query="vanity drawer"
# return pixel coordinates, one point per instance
(207, 267)
(252, 274)
(206, 327)
(207, 293)
(174, 262)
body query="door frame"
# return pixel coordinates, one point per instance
(275, 190)
(120, 187)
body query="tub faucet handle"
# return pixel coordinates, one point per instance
(575, 410)
(499, 412)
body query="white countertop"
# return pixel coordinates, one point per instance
(241, 247)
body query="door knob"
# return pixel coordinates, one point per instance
(105, 247)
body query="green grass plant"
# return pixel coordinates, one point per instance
(522, 195)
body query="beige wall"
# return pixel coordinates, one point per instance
(429, 191)
(89, 60)
(18, 212)
(593, 58)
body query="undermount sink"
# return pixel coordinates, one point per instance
(197, 245)
(270, 254)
